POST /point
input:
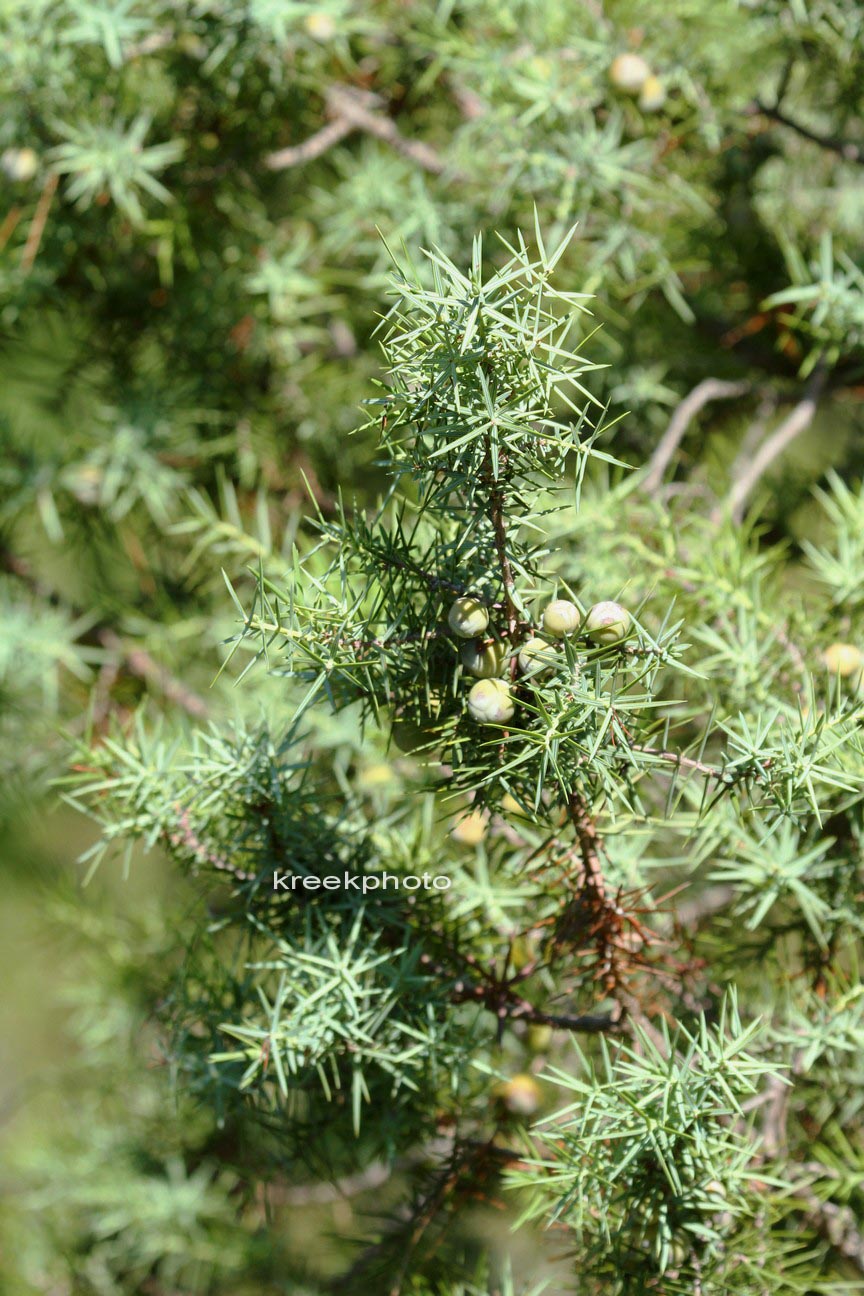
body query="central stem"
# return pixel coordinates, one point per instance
(496, 512)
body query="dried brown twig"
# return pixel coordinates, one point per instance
(796, 422)
(710, 389)
(849, 150)
(356, 110)
(38, 223)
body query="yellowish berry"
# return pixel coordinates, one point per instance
(520, 1095)
(561, 618)
(629, 72)
(607, 623)
(536, 656)
(468, 618)
(375, 776)
(86, 482)
(414, 729)
(523, 950)
(320, 26)
(510, 806)
(20, 164)
(652, 96)
(490, 702)
(485, 660)
(538, 1038)
(470, 829)
(843, 659)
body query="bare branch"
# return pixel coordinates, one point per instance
(37, 225)
(754, 434)
(710, 389)
(322, 1194)
(357, 107)
(7, 228)
(796, 422)
(311, 148)
(837, 1226)
(847, 149)
(139, 662)
(351, 110)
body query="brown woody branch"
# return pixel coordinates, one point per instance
(356, 110)
(38, 223)
(849, 150)
(139, 663)
(498, 525)
(796, 422)
(710, 389)
(137, 660)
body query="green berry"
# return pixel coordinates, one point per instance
(484, 660)
(468, 618)
(538, 1038)
(536, 656)
(607, 623)
(489, 702)
(561, 618)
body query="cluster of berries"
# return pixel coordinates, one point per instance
(490, 701)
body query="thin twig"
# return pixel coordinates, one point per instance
(710, 389)
(509, 1006)
(353, 110)
(796, 422)
(37, 225)
(774, 1138)
(849, 150)
(752, 438)
(496, 501)
(7, 228)
(502, 998)
(357, 107)
(683, 762)
(141, 664)
(137, 660)
(312, 147)
(837, 1226)
(589, 845)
